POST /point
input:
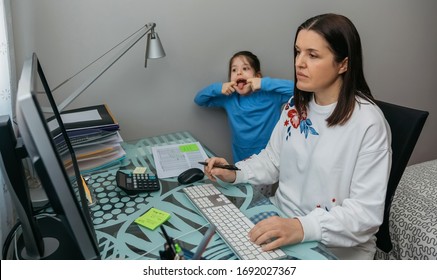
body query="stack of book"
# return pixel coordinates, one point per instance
(94, 134)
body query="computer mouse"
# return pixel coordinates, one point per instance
(190, 176)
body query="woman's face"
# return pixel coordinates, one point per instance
(316, 69)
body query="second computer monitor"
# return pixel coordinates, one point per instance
(64, 190)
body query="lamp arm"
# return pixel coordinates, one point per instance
(90, 81)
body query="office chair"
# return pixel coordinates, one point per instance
(406, 125)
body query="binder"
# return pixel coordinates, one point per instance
(85, 120)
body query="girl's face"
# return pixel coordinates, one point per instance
(316, 69)
(240, 72)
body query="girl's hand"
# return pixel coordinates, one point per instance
(254, 83)
(228, 88)
(214, 172)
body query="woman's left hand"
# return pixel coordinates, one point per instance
(275, 232)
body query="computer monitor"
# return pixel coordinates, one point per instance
(12, 153)
(70, 234)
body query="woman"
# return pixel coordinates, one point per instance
(330, 149)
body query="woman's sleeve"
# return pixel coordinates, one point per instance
(210, 96)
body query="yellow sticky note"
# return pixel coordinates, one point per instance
(140, 170)
(152, 218)
(188, 148)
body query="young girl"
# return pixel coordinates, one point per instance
(253, 103)
(331, 149)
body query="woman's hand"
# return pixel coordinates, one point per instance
(275, 232)
(214, 172)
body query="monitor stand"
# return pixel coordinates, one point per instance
(38, 196)
(37, 193)
(58, 244)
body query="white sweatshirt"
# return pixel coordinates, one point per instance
(333, 179)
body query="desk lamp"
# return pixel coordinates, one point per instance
(153, 50)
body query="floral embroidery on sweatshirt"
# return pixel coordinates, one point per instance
(295, 121)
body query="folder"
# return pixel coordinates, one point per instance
(78, 142)
(95, 160)
(94, 136)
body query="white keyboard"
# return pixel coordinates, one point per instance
(231, 223)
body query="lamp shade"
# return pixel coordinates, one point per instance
(154, 47)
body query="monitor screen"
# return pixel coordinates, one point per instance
(64, 189)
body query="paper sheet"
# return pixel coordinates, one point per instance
(172, 160)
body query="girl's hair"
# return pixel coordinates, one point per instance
(251, 58)
(344, 41)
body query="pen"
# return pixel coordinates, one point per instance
(169, 242)
(224, 166)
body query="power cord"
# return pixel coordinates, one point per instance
(13, 234)
(9, 239)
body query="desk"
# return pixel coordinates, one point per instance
(119, 237)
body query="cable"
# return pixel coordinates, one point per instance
(38, 210)
(13, 231)
(16, 248)
(8, 240)
(12, 236)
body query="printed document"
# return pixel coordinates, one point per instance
(172, 160)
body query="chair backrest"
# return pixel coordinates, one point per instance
(406, 125)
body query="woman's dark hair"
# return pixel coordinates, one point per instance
(251, 58)
(344, 42)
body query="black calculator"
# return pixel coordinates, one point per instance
(133, 183)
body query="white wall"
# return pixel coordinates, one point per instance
(399, 44)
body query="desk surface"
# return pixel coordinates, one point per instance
(119, 237)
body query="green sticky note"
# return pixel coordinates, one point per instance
(188, 148)
(152, 218)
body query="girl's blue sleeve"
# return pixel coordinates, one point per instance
(279, 86)
(210, 96)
